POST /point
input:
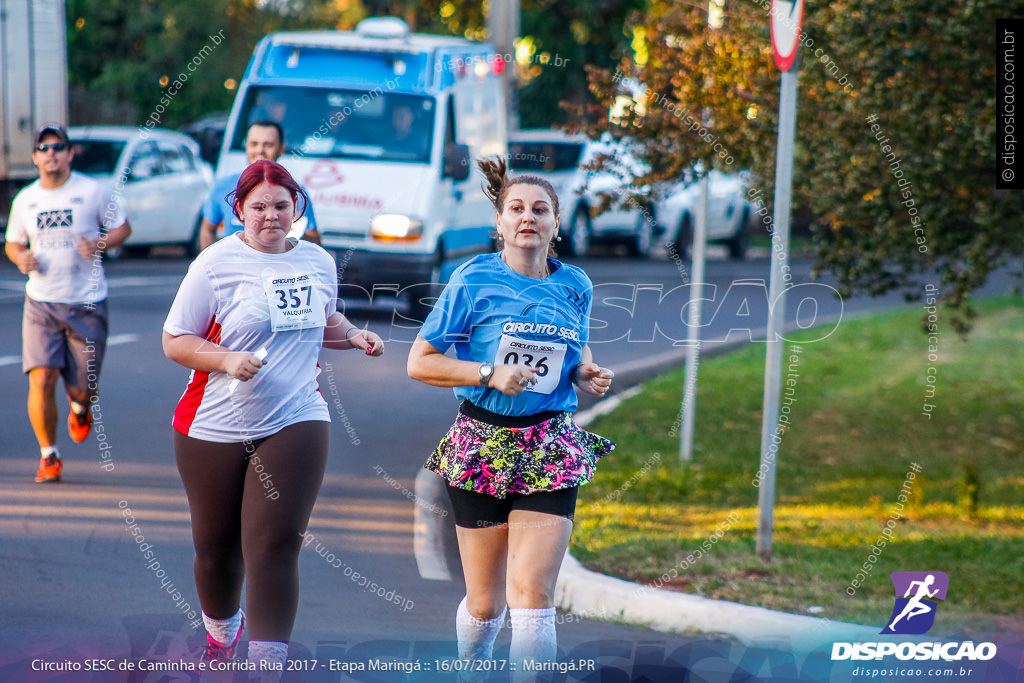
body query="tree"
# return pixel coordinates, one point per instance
(689, 93)
(924, 69)
(563, 38)
(124, 54)
(132, 52)
(558, 40)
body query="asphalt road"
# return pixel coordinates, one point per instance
(75, 584)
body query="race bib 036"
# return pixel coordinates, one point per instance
(546, 357)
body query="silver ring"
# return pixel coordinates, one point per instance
(523, 381)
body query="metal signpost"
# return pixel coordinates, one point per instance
(785, 26)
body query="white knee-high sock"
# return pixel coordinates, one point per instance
(533, 635)
(476, 636)
(268, 655)
(224, 631)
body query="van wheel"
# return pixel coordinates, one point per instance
(579, 232)
(418, 308)
(643, 241)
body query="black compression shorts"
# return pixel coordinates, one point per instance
(478, 510)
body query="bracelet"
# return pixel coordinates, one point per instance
(575, 372)
(347, 339)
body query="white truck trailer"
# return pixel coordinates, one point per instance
(33, 87)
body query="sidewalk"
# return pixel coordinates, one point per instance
(585, 592)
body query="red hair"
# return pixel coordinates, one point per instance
(271, 172)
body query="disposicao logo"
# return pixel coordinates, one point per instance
(914, 612)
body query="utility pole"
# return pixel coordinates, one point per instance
(503, 29)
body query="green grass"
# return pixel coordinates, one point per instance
(856, 427)
(799, 245)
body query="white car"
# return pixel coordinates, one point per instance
(158, 176)
(562, 160)
(728, 213)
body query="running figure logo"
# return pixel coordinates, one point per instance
(914, 613)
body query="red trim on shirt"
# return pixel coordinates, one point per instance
(188, 405)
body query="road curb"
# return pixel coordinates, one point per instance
(589, 593)
(596, 595)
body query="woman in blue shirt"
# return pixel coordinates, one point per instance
(514, 459)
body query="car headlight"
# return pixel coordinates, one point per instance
(393, 227)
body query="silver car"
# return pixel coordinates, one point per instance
(728, 213)
(156, 174)
(563, 160)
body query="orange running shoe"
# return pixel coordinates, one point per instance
(50, 468)
(79, 425)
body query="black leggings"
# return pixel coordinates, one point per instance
(250, 503)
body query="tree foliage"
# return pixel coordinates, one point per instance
(567, 36)
(924, 69)
(120, 51)
(131, 51)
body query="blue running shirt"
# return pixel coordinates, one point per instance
(492, 314)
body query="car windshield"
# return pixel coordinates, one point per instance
(97, 157)
(548, 157)
(355, 124)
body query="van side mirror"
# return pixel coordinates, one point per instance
(456, 162)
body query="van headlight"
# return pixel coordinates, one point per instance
(392, 227)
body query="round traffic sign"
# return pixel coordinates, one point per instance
(786, 16)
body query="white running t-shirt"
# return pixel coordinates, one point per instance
(245, 300)
(51, 222)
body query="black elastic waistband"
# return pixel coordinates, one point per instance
(498, 420)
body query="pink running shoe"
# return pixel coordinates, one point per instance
(218, 652)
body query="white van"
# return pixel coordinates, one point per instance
(381, 127)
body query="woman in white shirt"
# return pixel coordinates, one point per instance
(251, 430)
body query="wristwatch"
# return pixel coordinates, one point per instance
(485, 370)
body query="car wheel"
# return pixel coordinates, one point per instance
(741, 240)
(579, 231)
(642, 242)
(684, 238)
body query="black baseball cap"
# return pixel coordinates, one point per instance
(52, 129)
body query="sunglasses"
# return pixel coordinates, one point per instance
(55, 146)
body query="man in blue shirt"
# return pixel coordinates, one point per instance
(263, 140)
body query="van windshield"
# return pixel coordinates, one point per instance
(356, 124)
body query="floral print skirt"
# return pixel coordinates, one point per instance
(497, 460)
